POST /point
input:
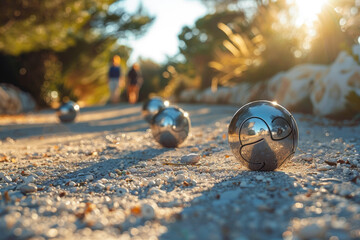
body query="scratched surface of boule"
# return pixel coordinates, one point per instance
(123, 185)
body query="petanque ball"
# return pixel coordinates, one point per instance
(263, 135)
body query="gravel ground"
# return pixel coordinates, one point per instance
(104, 177)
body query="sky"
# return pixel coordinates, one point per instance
(161, 38)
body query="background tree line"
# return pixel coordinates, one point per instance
(251, 40)
(61, 49)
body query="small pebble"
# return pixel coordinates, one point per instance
(148, 211)
(28, 188)
(323, 168)
(121, 191)
(72, 184)
(191, 158)
(8, 179)
(100, 186)
(331, 162)
(155, 190)
(180, 178)
(89, 177)
(30, 179)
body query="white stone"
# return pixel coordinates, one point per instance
(356, 50)
(188, 95)
(180, 178)
(28, 188)
(8, 179)
(72, 184)
(148, 211)
(30, 179)
(151, 183)
(240, 94)
(104, 180)
(323, 168)
(293, 87)
(222, 95)
(207, 96)
(100, 186)
(259, 178)
(158, 181)
(191, 158)
(13, 100)
(329, 94)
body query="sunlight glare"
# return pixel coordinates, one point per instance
(308, 10)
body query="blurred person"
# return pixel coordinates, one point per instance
(134, 83)
(114, 76)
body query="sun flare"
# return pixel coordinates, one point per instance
(308, 10)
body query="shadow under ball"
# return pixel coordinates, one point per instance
(68, 111)
(170, 126)
(153, 106)
(263, 135)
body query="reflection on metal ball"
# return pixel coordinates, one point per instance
(67, 112)
(263, 135)
(170, 126)
(152, 107)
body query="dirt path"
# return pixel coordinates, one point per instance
(104, 177)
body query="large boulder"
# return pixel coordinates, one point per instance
(258, 91)
(292, 89)
(207, 96)
(14, 101)
(223, 95)
(329, 94)
(240, 94)
(188, 95)
(332, 91)
(246, 92)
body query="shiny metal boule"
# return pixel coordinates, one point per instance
(263, 135)
(153, 106)
(68, 111)
(170, 126)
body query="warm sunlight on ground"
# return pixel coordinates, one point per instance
(308, 10)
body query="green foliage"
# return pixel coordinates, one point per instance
(241, 53)
(151, 73)
(177, 76)
(197, 44)
(64, 45)
(217, 57)
(337, 30)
